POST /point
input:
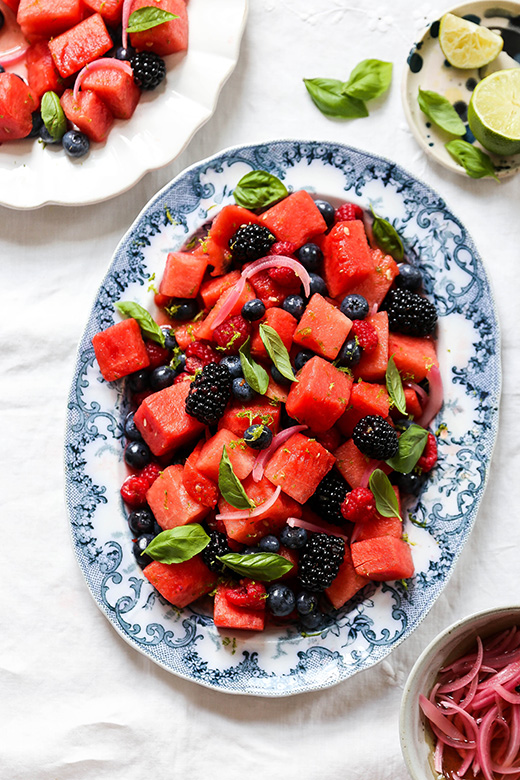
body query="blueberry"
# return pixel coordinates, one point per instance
(124, 54)
(303, 356)
(179, 362)
(162, 377)
(130, 428)
(137, 455)
(183, 308)
(269, 544)
(409, 277)
(293, 538)
(258, 437)
(326, 210)
(306, 603)
(47, 138)
(280, 600)
(294, 304)
(170, 342)
(253, 310)
(37, 124)
(310, 256)
(141, 521)
(241, 390)
(278, 377)
(233, 364)
(140, 545)
(408, 483)
(251, 550)
(349, 354)
(76, 144)
(354, 306)
(312, 621)
(317, 285)
(138, 381)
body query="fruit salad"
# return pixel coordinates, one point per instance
(280, 398)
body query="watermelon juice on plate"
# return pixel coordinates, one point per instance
(226, 448)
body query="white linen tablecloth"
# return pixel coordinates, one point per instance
(76, 702)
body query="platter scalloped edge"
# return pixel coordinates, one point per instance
(281, 661)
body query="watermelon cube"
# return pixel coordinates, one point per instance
(205, 329)
(283, 323)
(89, 114)
(181, 583)
(346, 583)
(17, 103)
(413, 406)
(277, 394)
(383, 558)
(241, 456)
(163, 422)
(347, 257)
(229, 615)
(375, 286)
(110, 10)
(323, 328)
(182, 275)
(47, 18)
(380, 525)
(298, 466)
(372, 367)
(320, 396)
(120, 350)
(292, 556)
(240, 415)
(365, 398)
(211, 290)
(42, 73)
(170, 502)
(79, 45)
(165, 38)
(351, 463)
(116, 89)
(413, 356)
(200, 488)
(296, 219)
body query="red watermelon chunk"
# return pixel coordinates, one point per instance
(365, 398)
(212, 289)
(182, 275)
(162, 420)
(380, 525)
(204, 330)
(165, 38)
(120, 349)
(372, 367)
(347, 257)
(383, 558)
(283, 323)
(79, 45)
(17, 102)
(48, 18)
(181, 583)
(240, 415)
(320, 396)
(375, 286)
(352, 463)
(346, 583)
(42, 73)
(116, 89)
(241, 456)
(229, 615)
(215, 247)
(89, 114)
(170, 502)
(298, 466)
(110, 10)
(270, 292)
(296, 219)
(323, 328)
(200, 488)
(414, 357)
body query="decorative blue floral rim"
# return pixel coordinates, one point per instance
(281, 661)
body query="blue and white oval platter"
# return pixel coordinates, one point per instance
(281, 661)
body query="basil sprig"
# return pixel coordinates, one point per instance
(258, 189)
(386, 236)
(147, 17)
(383, 492)
(277, 351)
(258, 566)
(178, 544)
(328, 96)
(230, 485)
(475, 162)
(369, 79)
(440, 111)
(394, 385)
(411, 446)
(53, 115)
(255, 375)
(146, 322)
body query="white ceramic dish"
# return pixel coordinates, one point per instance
(426, 68)
(164, 122)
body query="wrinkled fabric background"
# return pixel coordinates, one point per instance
(76, 702)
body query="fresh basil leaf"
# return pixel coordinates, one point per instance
(386, 500)
(258, 189)
(386, 237)
(258, 566)
(53, 116)
(475, 162)
(411, 447)
(440, 111)
(255, 375)
(230, 485)
(277, 351)
(178, 544)
(146, 322)
(394, 385)
(369, 79)
(328, 95)
(147, 17)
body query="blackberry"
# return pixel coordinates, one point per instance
(149, 69)
(209, 393)
(216, 546)
(375, 437)
(250, 242)
(328, 497)
(410, 313)
(319, 562)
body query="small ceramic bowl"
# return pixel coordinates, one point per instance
(416, 739)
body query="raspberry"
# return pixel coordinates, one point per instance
(157, 355)
(149, 473)
(198, 355)
(270, 292)
(429, 457)
(347, 212)
(284, 276)
(286, 248)
(183, 377)
(133, 491)
(250, 594)
(232, 334)
(366, 335)
(359, 505)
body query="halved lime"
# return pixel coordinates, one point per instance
(494, 112)
(466, 44)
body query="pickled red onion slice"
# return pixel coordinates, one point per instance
(437, 718)
(297, 522)
(256, 512)
(127, 7)
(467, 678)
(102, 64)
(13, 55)
(435, 398)
(421, 392)
(234, 294)
(264, 455)
(279, 261)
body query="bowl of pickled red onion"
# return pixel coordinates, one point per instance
(460, 711)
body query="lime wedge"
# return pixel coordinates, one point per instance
(466, 44)
(494, 112)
